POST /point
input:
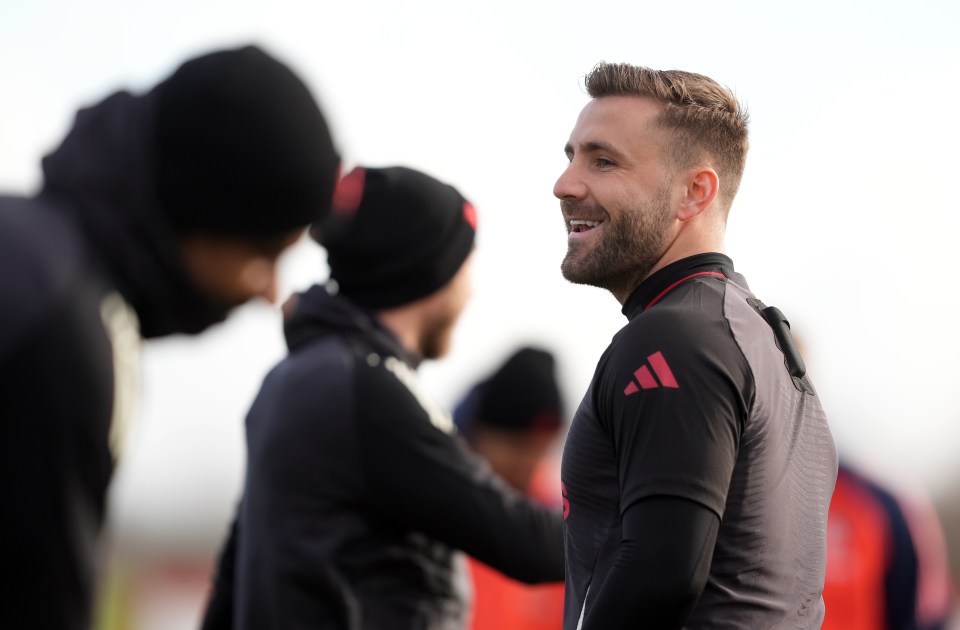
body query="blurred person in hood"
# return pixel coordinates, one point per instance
(158, 214)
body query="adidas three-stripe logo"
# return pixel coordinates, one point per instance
(646, 379)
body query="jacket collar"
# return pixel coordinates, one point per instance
(664, 280)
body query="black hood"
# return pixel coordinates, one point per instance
(102, 175)
(319, 312)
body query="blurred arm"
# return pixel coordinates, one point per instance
(424, 478)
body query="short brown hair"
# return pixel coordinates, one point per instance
(706, 118)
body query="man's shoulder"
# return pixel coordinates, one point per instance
(38, 245)
(396, 395)
(339, 359)
(41, 255)
(33, 234)
(315, 370)
(871, 489)
(676, 325)
(346, 367)
(673, 339)
(309, 396)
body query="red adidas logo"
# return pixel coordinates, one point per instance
(646, 378)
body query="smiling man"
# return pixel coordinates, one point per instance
(699, 466)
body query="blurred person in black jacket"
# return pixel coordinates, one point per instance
(158, 214)
(358, 491)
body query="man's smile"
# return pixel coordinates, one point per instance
(581, 229)
(579, 225)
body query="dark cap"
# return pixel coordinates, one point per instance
(241, 147)
(522, 395)
(395, 235)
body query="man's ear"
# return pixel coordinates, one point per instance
(701, 189)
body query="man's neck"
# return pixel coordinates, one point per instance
(698, 240)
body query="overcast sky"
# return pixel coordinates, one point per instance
(847, 217)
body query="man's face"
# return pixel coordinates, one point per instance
(514, 455)
(615, 195)
(443, 310)
(232, 271)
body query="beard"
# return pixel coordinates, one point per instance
(436, 342)
(438, 334)
(625, 252)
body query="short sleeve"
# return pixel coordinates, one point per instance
(674, 395)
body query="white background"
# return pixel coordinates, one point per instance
(846, 219)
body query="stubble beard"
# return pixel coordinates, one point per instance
(437, 336)
(627, 250)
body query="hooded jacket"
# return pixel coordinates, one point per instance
(102, 179)
(81, 263)
(359, 494)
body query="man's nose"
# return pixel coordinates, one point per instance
(569, 185)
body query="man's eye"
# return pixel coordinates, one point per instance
(603, 162)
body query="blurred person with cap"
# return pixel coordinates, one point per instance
(358, 492)
(513, 419)
(157, 214)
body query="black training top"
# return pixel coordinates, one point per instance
(358, 493)
(695, 400)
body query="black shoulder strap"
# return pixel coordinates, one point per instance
(781, 333)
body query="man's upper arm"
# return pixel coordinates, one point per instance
(676, 392)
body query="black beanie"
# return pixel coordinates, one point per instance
(395, 235)
(242, 149)
(522, 395)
